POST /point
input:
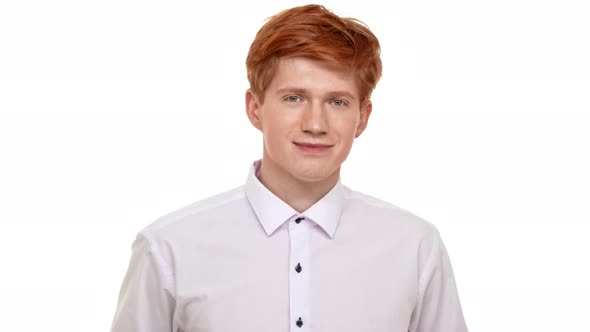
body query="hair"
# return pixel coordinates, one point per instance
(314, 32)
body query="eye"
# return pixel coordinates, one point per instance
(293, 99)
(339, 102)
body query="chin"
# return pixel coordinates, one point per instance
(313, 174)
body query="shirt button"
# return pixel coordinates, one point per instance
(298, 220)
(299, 322)
(298, 268)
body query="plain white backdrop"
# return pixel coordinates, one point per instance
(113, 113)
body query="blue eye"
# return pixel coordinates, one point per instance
(339, 102)
(293, 99)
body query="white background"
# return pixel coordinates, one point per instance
(113, 113)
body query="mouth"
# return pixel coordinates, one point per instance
(312, 147)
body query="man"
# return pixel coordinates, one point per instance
(293, 249)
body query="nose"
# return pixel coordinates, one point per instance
(314, 120)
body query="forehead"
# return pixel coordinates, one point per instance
(313, 75)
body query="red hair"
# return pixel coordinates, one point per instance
(313, 31)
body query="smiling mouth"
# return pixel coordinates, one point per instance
(311, 147)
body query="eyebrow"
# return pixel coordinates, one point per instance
(305, 92)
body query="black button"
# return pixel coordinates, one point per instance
(298, 268)
(298, 220)
(299, 322)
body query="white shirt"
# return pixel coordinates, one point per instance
(246, 261)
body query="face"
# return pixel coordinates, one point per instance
(309, 118)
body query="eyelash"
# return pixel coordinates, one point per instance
(344, 102)
(287, 98)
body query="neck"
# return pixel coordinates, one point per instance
(298, 194)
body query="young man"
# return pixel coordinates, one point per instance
(293, 249)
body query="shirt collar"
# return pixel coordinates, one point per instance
(272, 212)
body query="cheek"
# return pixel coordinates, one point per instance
(276, 124)
(347, 128)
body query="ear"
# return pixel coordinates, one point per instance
(365, 113)
(253, 109)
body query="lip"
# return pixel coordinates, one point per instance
(312, 147)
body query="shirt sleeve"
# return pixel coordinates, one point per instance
(146, 301)
(437, 308)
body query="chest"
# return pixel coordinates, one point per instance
(321, 286)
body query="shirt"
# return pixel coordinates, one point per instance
(246, 261)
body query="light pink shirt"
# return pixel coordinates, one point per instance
(246, 261)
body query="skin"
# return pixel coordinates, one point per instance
(308, 101)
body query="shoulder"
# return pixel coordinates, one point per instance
(190, 217)
(387, 214)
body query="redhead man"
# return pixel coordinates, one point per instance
(293, 249)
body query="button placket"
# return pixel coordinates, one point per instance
(298, 274)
